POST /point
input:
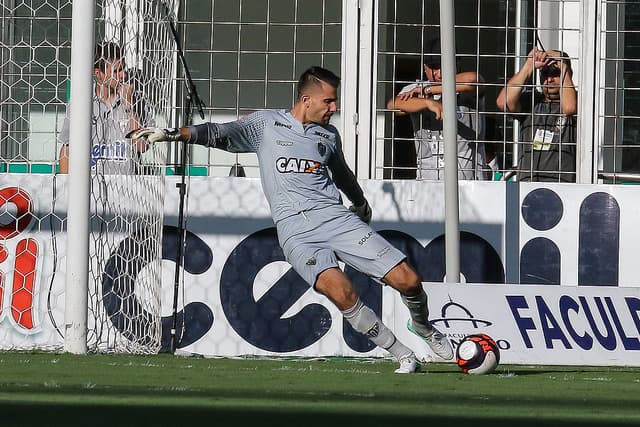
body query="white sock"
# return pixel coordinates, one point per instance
(365, 321)
(419, 312)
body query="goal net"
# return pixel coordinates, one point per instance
(134, 88)
(127, 184)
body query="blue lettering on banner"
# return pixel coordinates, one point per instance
(260, 322)
(607, 341)
(540, 262)
(542, 210)
(574, 312)
(568, 304)
(633, 304)
(634, 307)
(598, 239)
(550, 326)
(517, 303)
(628, 343)
(124, 310)
(196, 318)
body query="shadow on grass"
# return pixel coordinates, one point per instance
(25, 415)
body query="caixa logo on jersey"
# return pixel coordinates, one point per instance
(457, 321)
(19, 274)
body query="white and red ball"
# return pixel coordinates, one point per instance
(477, 354)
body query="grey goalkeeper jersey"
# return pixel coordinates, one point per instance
(295, 159)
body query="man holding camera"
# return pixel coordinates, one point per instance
(548, 118)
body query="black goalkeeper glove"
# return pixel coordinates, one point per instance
(156, 134)
(363, 211)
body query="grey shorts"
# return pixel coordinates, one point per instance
(313, 241)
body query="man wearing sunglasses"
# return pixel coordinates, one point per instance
(547, 117)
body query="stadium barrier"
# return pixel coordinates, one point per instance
(566, 252)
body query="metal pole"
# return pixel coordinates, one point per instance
(589, 99)
(78, 180)
(450, 128)
(520, 46)
(192, 100)
(349, 83)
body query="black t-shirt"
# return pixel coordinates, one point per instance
(548, 141)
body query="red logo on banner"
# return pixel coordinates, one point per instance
(22, 201)
(24, 279)
(26, 258)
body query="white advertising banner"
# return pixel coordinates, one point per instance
(567, 253)
(566, 325)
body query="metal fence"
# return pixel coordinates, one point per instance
(247, 54)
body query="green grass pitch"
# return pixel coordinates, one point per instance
(45, 389)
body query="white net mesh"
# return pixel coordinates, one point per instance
(134, 79)
(128, 179)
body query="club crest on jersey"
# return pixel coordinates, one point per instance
(322, 149)
(293, 165)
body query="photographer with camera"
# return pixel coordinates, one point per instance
(548, 118)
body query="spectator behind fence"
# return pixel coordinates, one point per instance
(548, 118)
(113, 116)
(423, 102)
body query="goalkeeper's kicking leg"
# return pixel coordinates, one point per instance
(405, 280)
(335, 285)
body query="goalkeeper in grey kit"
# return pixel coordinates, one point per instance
(296, 150)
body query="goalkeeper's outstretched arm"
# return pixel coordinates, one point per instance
(233, 136)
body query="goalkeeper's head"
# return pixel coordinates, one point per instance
(314, 76)
(317, 95)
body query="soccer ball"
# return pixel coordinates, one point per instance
(477, 354)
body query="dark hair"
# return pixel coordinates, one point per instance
(432, 54)
(106, 52)
(313, 76)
